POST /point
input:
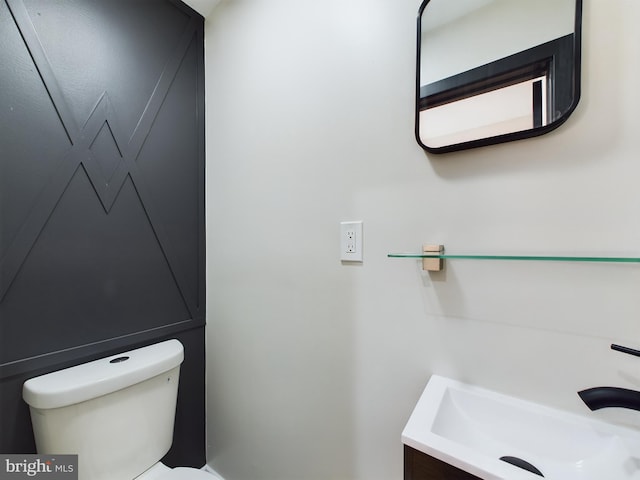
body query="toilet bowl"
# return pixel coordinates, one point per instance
(117, 414)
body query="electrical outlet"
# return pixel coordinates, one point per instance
(351, 241)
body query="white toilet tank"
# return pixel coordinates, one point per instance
(116, 414)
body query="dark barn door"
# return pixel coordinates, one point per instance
(101, 194)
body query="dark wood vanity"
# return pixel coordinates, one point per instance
(420, 466)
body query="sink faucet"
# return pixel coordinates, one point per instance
(602, 397)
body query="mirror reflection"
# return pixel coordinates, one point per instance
(491, 71)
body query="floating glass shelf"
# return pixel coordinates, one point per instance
(517, 257)
(433, 257)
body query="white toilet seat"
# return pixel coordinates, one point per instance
(162, 472)
(185, 473)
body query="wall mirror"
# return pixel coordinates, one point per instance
(492, 71)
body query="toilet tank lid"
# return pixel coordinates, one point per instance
(100, 377)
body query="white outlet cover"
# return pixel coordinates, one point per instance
(351, 241)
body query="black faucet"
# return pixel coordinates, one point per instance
(602, 397)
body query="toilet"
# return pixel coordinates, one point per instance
(116, 414)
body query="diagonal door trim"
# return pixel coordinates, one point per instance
(36, 51)
(31, 229)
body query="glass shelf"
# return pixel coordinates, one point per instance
(550, 258)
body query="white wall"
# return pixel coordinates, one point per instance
(314, 366)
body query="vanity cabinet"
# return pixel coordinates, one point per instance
(420, 466)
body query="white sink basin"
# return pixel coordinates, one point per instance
(472, 428)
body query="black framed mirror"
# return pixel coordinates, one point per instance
(493, 71)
